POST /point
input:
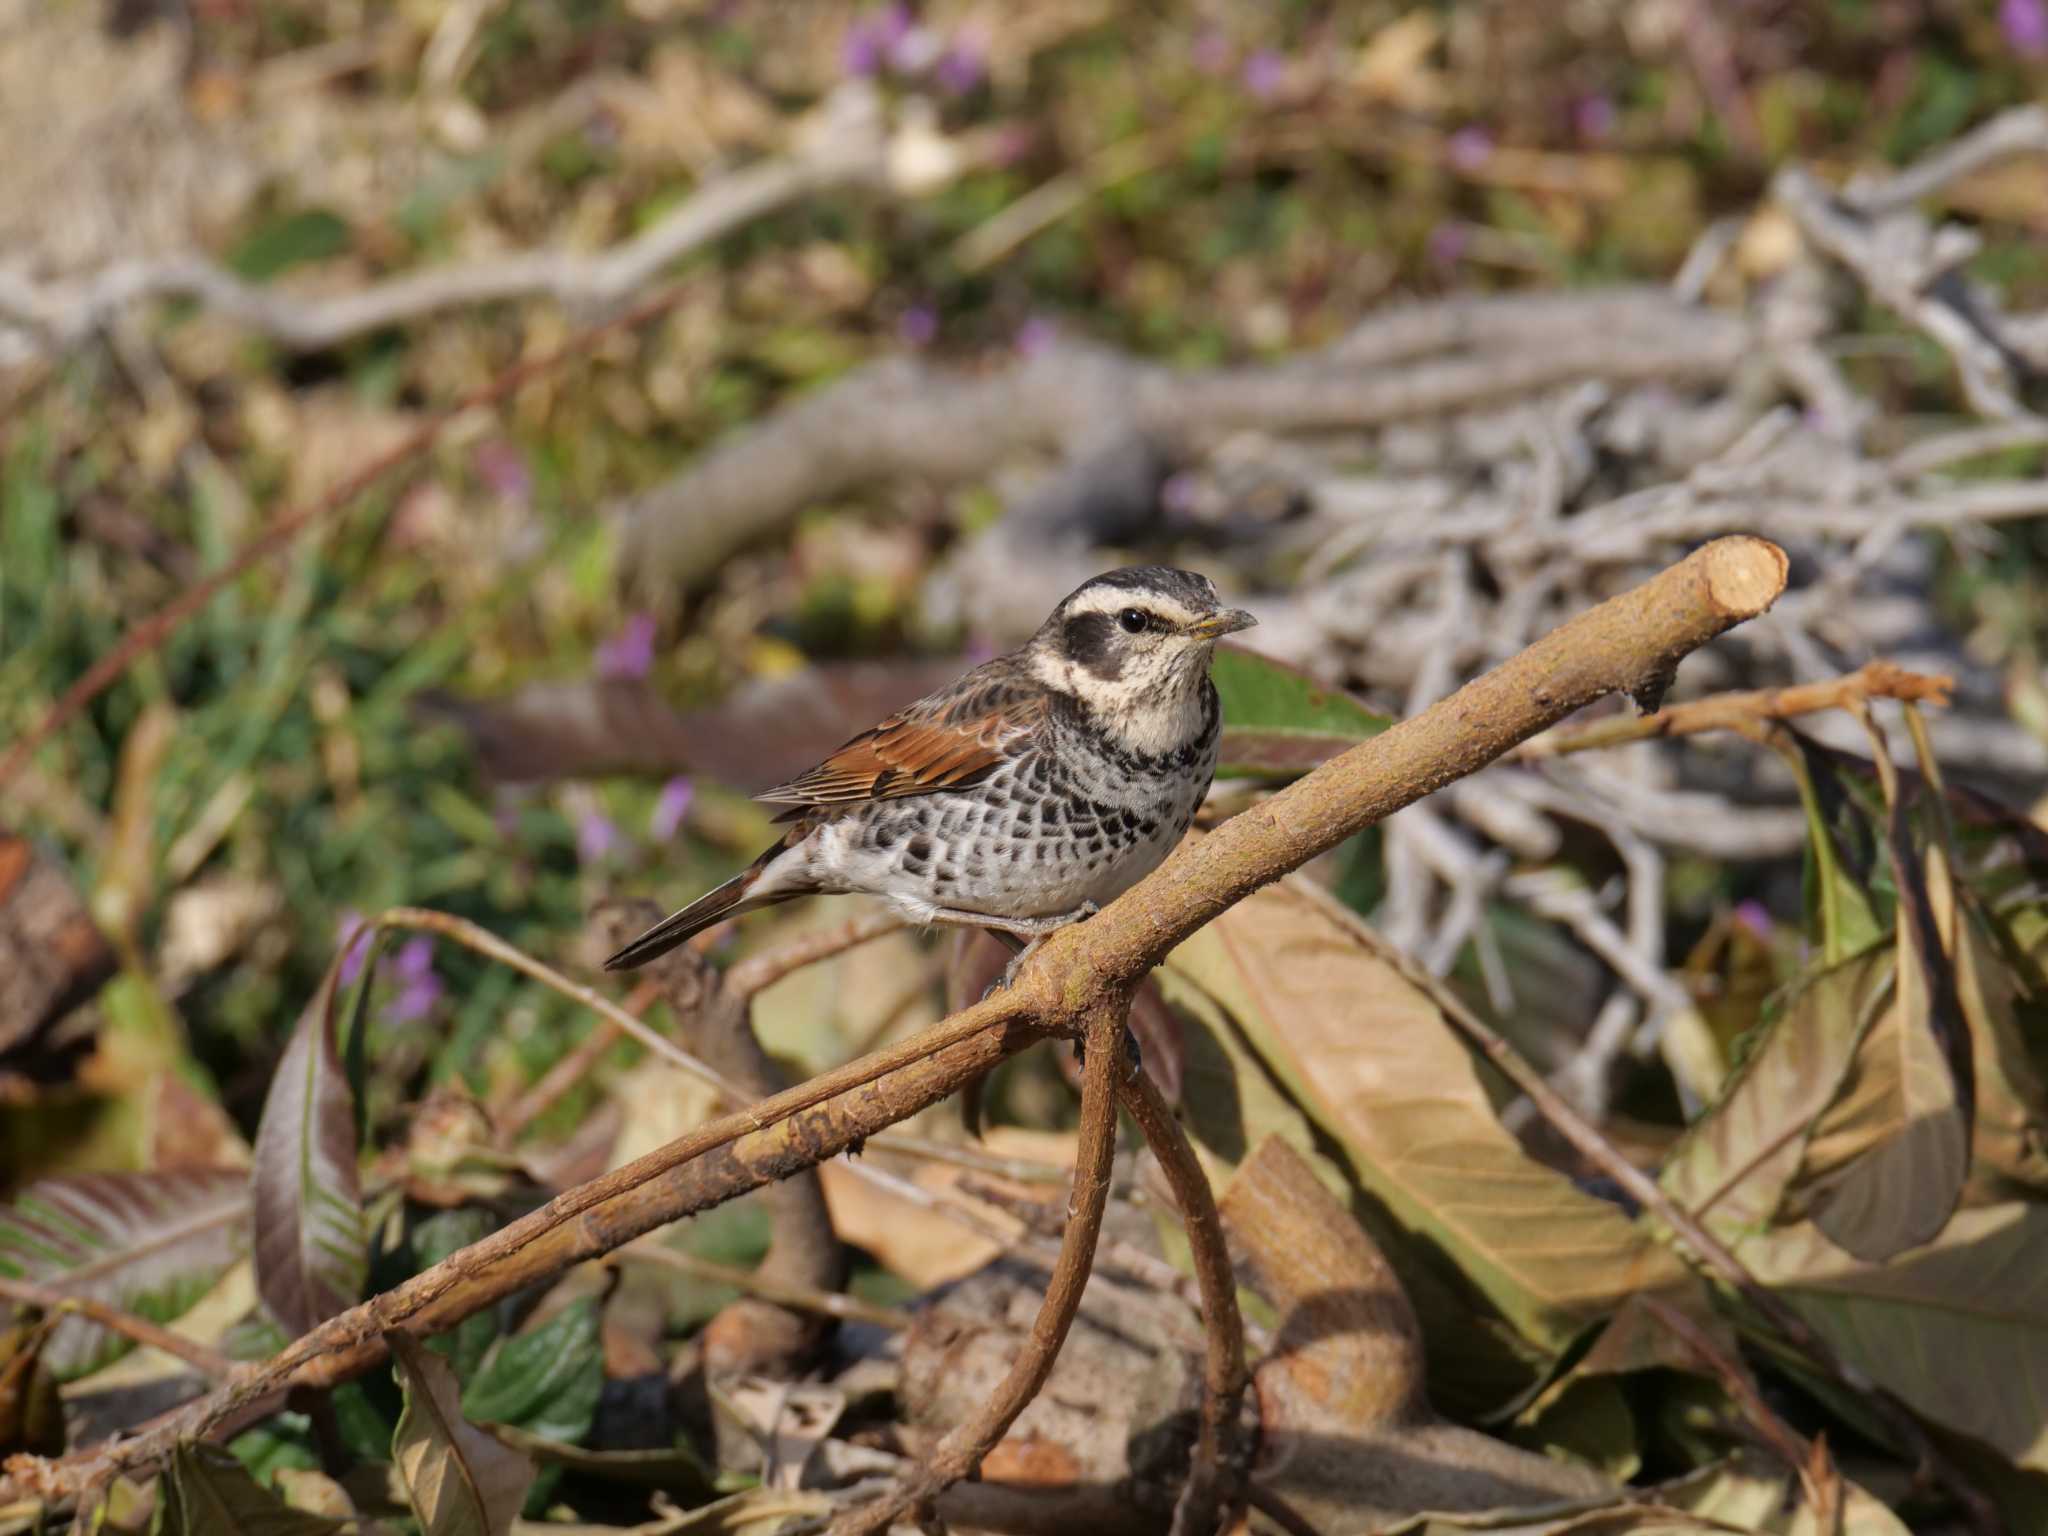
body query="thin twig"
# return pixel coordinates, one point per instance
(570, 1069)
(52, 1302)
(484, 942)
(961, 1451)
(1792, 1447)
(757, 973)
(1724, 711)
(807, 1298)
(145, 636)
(1215, 1474)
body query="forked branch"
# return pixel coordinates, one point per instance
(1630, 644)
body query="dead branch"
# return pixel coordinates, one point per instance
(1728, 711)
(901, 418)
(850, 147)
(1631, 643)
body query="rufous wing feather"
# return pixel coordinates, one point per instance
(906, 755)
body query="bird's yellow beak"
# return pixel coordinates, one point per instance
(1228, 622)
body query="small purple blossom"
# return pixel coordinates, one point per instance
(502, 467)
(597, 837)
(1036, 336)
(916, 50)
(1448, 243)
(1593, 118)
(352, 939)
(1180, 494)
(870, 41)
(1756, 917)
(2025, 23)
(670, 807)
(629, 653)
(1469, 148)
(1211, 52)
(1263, 74)
(918, 325)
(962, 67)
(419, 989)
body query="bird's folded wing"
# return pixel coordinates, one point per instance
(909, 755)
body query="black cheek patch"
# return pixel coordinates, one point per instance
(1091, 641)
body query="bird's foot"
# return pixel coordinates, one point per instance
(1033, 931)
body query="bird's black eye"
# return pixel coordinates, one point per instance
(1134, 620)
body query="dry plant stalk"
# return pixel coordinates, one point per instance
(1081, 980)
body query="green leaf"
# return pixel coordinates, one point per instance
(1278, 722)
(148, 1243)
(546, 1381)
(459, 1480)
(441, 1234)
(312, 234)
(209, 1492)
(1841, 912)
(312, 1249)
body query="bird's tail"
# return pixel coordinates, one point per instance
(729, 900)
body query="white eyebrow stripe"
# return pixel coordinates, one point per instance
(1109, 600)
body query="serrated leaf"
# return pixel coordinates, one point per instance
(1279, 722)
(459, 1480)
(547, 1381)
(1371, 1062)
(210, 1492)
(148, 1243)
(312, 1250)
(1958, 1328)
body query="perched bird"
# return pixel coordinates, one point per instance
(1031, 792)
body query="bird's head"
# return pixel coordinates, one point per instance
(1134, 645)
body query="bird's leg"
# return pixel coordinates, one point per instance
(1032, 930)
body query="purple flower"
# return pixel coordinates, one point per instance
(1212, 52)
(869, 41)
(352, 938)
(1264, 73)
(596, 838)
(1754, 916)
(2026, 26)
(670, 808)
(1036, 336)
(419, 989)
(502, 467)
(918, 325)
(629, 653)
(961, 67)
(1447, 243)
(1469, 148)
(1593, 118)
